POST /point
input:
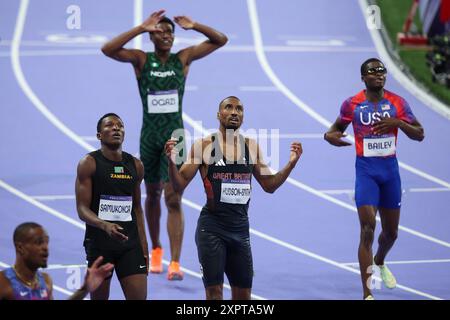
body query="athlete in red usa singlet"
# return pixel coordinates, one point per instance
(376, 115)
(227, 161)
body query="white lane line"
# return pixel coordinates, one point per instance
(402, 79)
(416, 190)
(320, 43)
(300, 104)
(253, 231)
(15, 60)
(258, 88)
(40, 205)
(428, 190)
(45, 53)
(138, 18)
(62, 216)
(356, 264)
(55, 287)
(327, 191)
(64, 266)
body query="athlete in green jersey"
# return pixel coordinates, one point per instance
(161, 78)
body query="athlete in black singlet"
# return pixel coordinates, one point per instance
(227, 161)
(109, 201)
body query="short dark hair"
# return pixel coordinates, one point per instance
(365, 63)
(234, 97)
(22, 229)
(99, 123)
(169, 21)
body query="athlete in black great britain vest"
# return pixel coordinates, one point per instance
(108, 197)
(161, 78)
(227, 161)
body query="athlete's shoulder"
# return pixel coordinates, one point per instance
(89, 158)
(47, 278)
(87, 164)
(357, 98)
(6, 291)
(394, 98)
(138, 164)
(208, 139)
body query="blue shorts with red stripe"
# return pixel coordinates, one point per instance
(378, 182)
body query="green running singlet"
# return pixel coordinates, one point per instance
(161, 87)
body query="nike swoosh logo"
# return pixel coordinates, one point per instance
(142, 267)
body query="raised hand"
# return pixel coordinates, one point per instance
(170, 150)
(96, 274)
(185, 22)
(150, 23)
(335, 138)
(296, 152)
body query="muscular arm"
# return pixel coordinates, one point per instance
(269, 181)
(413, 130)
(181, 178)
(115, 50)
(83, 194)
(138, 209)
(335, 134)
(215, 40)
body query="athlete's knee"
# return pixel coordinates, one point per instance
(214, 293)
(367, 234)
(390, 235)
(153, 194)
(173, 203)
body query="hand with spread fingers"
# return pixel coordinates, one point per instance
(386, 125)
(184, 22)
(96, 274)
(150, 23)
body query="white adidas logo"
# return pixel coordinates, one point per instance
(220, 163)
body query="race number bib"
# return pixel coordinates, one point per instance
(379, 147)
(162, 101)
(115, 208)
(235, 191)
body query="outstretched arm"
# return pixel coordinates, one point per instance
(335, 134)
(115, 50)
(95, 275)
(215, 40)
(271, 182)
(83, 195)
(181, 178)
